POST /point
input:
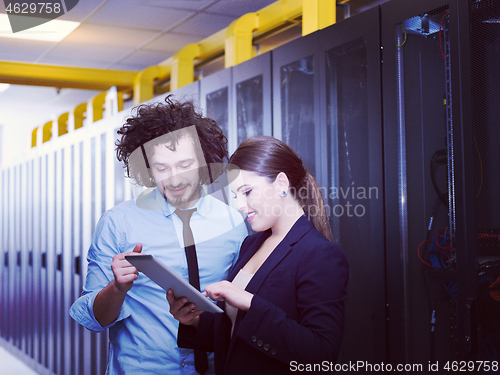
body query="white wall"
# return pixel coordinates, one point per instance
(1, 144)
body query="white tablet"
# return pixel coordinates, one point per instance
(168, 279)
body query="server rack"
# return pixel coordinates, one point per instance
(296, 99)
(216, 92)
(419, 144)
(438, 110)
(252, 97)
(479, 61)
(351, 124)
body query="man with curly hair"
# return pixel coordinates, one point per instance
(174, 151)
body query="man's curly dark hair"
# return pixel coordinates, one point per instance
(151, 121)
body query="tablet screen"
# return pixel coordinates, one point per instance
(166, 278)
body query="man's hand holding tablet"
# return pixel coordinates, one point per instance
(183, 310)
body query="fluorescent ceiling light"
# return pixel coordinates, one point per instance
(4, 86)
(52, 31)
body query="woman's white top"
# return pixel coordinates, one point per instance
(241, 280)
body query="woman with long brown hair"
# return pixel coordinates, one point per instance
(284, 299)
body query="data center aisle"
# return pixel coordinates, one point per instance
(10, 365)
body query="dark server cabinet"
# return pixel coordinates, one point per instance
(215, 97)
(420, 180)
(352, 127)
(481, 148)
(252, 97)
(296, 114)
(440, 85)
(239, 99)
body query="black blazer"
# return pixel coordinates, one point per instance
(297, 312)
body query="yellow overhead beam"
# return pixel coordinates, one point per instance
(62, 124)
(96, 105)
(78, 114)
(241, 32)
(33, 137)
(65, 77)
(239, 38)
(236, 38)
(165, 69)
(212, 45)
(318, 14)
(183, 66)
(144, 84)
(47, 132)
(278, 13)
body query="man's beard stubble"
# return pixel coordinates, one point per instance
(177, 201)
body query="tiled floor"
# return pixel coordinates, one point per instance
(10, 365)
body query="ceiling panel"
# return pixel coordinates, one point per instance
(100, 35)
(141, 16)
(83, 9)
(85, 55)
(194, 5)
(22, 50)
(143, 58)
(237, 8)
(171, 43)
(204, 24)
(131, 67)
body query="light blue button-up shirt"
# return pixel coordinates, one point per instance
(143, 340)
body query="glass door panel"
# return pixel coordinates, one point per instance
(419, 127)
(252, 102)
(484, 21)
(296, 100)
(354, 194)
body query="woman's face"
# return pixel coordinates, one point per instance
(257, 198)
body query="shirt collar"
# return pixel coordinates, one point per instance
(202, 205)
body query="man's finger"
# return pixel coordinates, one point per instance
(128, 278)
(170, 297)
(175, 303)
(192, 315)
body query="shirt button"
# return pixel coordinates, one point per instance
(259, 343)
(183, 364)
(266, 347)
(273, 351)
(253, 338)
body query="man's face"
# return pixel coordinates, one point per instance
(177, 172)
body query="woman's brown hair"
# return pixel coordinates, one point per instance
(268, 156)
